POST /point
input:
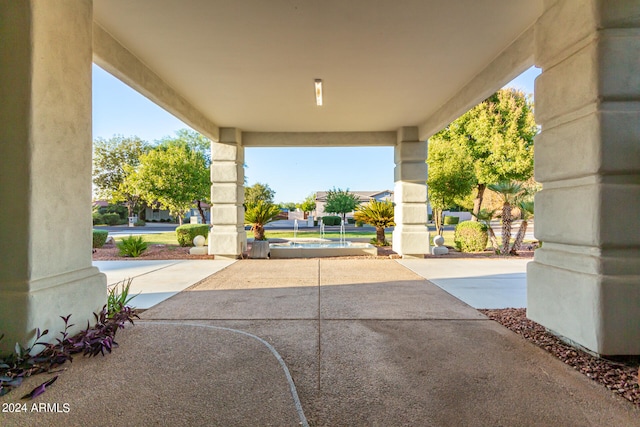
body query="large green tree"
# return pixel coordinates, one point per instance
(341, 202)
(451, 176)
(498, 135)
(309, 204)
(199, 143)
(112, 158)
(173, 175)
(258, 192)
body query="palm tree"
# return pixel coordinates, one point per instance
(527, 213)
(258, 214)
(485, 216)
(379, 214)
(508, 192)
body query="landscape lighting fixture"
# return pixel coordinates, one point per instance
(318, 83)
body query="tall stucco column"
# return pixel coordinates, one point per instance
(584, 283)
(228, 238)
(410, 235)
(45, 169)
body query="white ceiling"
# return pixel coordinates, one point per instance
(251, 64)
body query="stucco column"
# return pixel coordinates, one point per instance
(410, 235)
(228, 238)
(584, 283)
(45, 169)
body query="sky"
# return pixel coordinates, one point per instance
(293, 173)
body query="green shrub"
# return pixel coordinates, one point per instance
(450, 220)
(140, 223)
(132, 246)
(111, 218)
(331, 220)
(186, 233)
(97, 219)
(99, 237)
(351, 220)
(359, 223)
(471, 236)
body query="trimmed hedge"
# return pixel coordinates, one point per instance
(99, 238)
(331, 220)
(471, 236)
(451, 220)
(111, 218)
(187, 232)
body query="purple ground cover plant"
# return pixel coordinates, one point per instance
(91, 341)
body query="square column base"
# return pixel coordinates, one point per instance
(597, 312)
(227, 243)
(79, 293)
(411, 241)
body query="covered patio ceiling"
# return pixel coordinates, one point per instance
(251, 64)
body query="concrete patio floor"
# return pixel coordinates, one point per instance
(365, 342)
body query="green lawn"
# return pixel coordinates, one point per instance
(168, 238)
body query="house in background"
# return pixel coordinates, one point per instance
(363, 196)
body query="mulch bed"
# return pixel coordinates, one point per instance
(621, 377)
(109, 252)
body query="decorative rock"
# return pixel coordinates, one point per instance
(438, 246)
(200, 248)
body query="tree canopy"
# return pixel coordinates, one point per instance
(451, 176)
(498, 136)
(174, 175)
(309, 204)
(258, 192)
(113, 159)
(341, 202)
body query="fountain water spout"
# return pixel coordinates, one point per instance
(321, 229)
(295, 229)
(342, 237)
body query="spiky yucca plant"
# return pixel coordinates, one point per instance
(379, 214)
(259, 214)
(526, 209)
(508, 192)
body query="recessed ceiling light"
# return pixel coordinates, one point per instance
(318, 83)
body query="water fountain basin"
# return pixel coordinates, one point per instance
(319, 249)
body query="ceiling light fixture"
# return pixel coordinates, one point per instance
(318, 83)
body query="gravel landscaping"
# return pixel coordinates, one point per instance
(621, 377)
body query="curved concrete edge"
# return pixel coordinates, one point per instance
(283, 365)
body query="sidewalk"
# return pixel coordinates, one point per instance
(481, 283)
(155, 281)
(324, 343)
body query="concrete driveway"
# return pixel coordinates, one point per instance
(324, 342)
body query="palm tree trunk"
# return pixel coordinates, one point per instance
(506, 228)
(519, 237)
(258, 232)
(493, 239)
(380, 237)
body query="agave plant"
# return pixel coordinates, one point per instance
(526, 208)
(259, 214)
(379, 214)
(508, 192)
